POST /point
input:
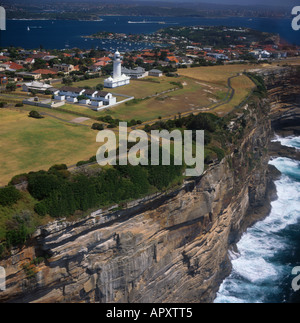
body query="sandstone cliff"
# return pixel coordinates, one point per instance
(169, 248)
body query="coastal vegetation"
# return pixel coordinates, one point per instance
(59, 193)
(63, 193)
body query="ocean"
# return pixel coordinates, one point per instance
(268, 251)
(60, 34)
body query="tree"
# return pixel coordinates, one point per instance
(19, 228)
(9, 195)
(99, 87)
(67, 81)
(11, 87)
(35, 115)
(39, 64)
(97, 126)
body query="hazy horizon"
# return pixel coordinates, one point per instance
(268, 3)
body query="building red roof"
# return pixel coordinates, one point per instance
(29, 60)
(100, 63)
(44, 72)
(4, 58)
(172, 59)
(14, 66)
(104, 59)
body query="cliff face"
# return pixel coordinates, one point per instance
(283, 87)
(170, 248)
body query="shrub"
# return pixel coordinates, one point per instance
(41, 184)
(220, 152)
(48, 92)
(35, 115)
(58, 167)
(19, 105)
(97, 126)
(18, 179)
(99, 87)
(11, 87)
(19, 228)
(9, 195)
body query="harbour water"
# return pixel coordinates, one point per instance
(60, 34)
(268, 251)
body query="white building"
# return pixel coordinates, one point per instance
(106, 98)
(117, 79)
(36, 86)
(72, 92)
(136, 73)
(156, 73)
(96, 104)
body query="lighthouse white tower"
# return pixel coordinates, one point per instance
(117, 79)
(117, 65)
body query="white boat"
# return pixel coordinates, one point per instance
(28, 29)
(138, 22)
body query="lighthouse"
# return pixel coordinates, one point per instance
(117, 79)
(117, 65)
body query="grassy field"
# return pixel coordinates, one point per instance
(191, 97)
(137, 88)
(161, 100)
(214, 74)
(32, 144)
(242, 86)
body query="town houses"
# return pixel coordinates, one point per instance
(167, 51)
(170, 49)
(85, 96)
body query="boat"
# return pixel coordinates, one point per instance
(147, 22)
(138, 22)
(28, 29)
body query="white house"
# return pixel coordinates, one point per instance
(72, 99)
(96, 104)
(106, 97)
(156, 73)
(117, 79)
(59, 97)
(36, 86)
(72, 92)
(90, 93)
(136, 73)
(84, 101)
(65, 68)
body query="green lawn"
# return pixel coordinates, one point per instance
(32, 144)
(191, 97)
(242, 86)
